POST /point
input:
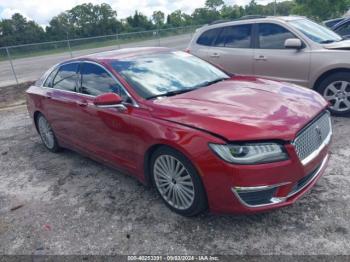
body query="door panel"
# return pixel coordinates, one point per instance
(274, 61)
(233, 60)
(104, 132)
(62, 113)
(283, 65)
(107, 133)
(204, 42)
(232, 50)
(61, 97)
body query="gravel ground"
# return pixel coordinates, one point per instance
(67, 204)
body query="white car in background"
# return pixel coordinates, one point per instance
(290, 49)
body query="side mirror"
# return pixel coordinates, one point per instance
(109, 100)
(293, 43)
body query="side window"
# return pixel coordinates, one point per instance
(66, 78)
(235, 37)
(208, 37)
(49, 79)
(344, 30)
(96, 81)
(272, 36)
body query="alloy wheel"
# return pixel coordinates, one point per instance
(174, 182)
(46, 133)
(338, 94)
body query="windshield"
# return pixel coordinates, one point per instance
(167, 73)
(316, 32)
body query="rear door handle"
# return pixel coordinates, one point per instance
(261, 58)
(215, 55)
(82, 103)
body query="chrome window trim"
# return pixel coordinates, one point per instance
(133, 102)
(70, 92)
(325, 143)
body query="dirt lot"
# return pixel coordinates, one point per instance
(67, 204)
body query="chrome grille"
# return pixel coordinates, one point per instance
(313, 137)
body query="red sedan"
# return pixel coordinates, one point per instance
(203, 138)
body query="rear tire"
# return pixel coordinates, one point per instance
(336, 90)
(46, 134)
(177, 182)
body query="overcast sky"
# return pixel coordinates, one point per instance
(42, 11)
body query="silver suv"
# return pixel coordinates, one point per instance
(291, 49)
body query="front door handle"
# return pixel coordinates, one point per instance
(215, 55)
(261, 58)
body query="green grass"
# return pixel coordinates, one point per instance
(95, 43)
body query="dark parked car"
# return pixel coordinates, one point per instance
(333, 22)
(342, 28)
(203, 138)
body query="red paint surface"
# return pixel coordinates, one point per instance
(240, 109)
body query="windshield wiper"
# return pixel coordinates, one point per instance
(172, 93)
(177, 92)
(327, 41)
(209, 83)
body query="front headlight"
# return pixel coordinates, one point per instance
(250, 153)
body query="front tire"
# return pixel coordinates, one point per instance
(177, 182)
(46, 134)
(336, 90)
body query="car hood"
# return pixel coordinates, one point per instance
(243, 108)
(342, 45)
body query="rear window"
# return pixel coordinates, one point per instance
(41, 80)
(49, 79)
(235, 37)
(67, 77)
(208, 37)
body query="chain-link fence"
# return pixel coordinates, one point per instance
(27, 62)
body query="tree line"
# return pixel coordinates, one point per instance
(88, 20)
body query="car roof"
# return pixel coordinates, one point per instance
(119, 54)
(252, 19)
(287, 18)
